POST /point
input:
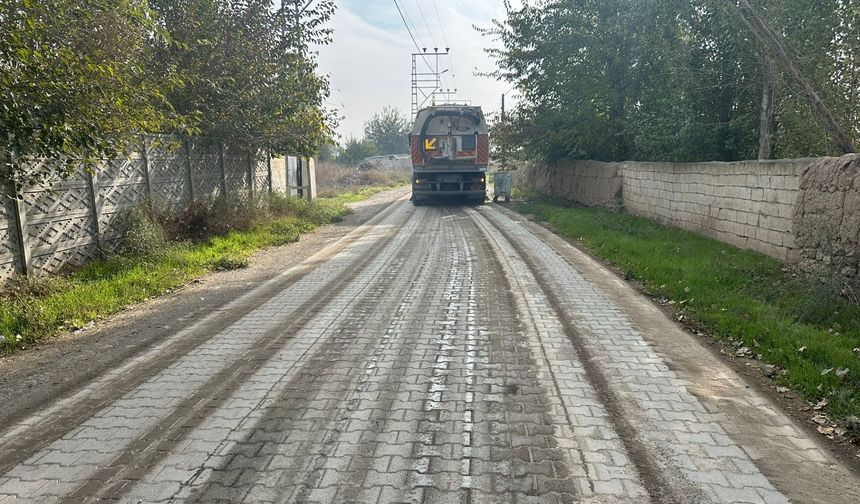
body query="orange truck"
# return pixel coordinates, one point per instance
(450, 154)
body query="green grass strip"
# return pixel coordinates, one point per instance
(362, 193)
(806, 327)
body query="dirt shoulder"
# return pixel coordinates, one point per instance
(32, 379)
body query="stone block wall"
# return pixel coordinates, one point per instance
(796, 210)
(748, 204)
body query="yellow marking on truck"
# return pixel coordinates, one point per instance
(430, 144)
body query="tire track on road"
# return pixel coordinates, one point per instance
(691, 460)
(367, 315)
(145, 451)
(507, 254)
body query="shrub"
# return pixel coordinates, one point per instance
(141, 235)
(208, 217)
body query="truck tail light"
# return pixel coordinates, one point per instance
(417, 158)
(483, 156)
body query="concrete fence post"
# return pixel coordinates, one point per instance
(145, 157)
(251, 173)
(221, 166)
(188, 175)
(92, 201)
(311, 179)
(20, 214)
(269, 171)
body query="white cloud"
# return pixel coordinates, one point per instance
(369, 61)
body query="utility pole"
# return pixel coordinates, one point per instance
(503, 107)
(427, 84)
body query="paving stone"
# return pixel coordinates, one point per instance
(438, 370)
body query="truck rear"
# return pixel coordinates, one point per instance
(450, 154)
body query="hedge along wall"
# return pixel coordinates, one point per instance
(797, 210)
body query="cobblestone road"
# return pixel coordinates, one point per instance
(432, 355)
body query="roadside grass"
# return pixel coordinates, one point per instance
(361, 193)
(806, 327)
(32, 309)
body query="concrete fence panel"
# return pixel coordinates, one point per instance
(72, 221)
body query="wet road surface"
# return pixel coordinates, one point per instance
(434, 354)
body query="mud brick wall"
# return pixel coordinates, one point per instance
(827, 218)
(588, 183)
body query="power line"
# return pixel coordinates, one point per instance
(407, 26)
(426, 25)
(430, 34)
(447, 45)
(441, 25)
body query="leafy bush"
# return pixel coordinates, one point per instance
(140, 234)
(208, 217)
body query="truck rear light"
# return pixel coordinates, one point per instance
(483, 154)
(417, 158)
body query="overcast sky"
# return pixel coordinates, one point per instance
(370, 60)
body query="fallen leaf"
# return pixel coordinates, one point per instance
(841, 372)
(820, 419)
(801, 349)
(782, 390)
(826, 371)
(820, 404)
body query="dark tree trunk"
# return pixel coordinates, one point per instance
(765, 135)
(762, 31)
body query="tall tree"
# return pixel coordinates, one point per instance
(761, 29)
(251, 69)
(75, 84)
(682, 80)
(389, 129)
(354, 150)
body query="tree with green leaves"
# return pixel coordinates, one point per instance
(81, 80)
(250, 69)
(355, 150)
(75, 84)
(679, 80)
(389, 130)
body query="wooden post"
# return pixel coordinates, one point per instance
(146, 169)
(188, 170)
(96, 213)
(20, 215)
(221, 165)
